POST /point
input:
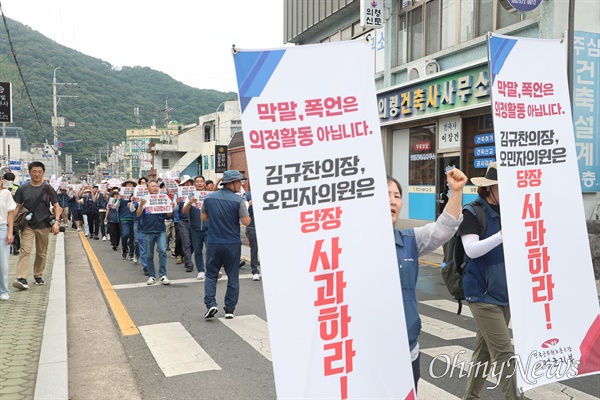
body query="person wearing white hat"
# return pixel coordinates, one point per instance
(485, 288)
(224, 209)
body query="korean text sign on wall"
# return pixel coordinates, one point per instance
(314, 150)
(556, 326)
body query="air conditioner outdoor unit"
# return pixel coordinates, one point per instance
(423, 69)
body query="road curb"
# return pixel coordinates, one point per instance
(53, 373)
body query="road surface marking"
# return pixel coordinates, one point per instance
(555, 390)
(125, 322)
(173, 282)
(175, 350)
(253, 330)
(443, 329)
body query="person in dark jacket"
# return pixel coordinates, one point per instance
(484, 284)
(413, 243)
(112, 218)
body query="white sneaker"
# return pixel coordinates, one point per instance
(4, 296)
(135, 260)
(104, 238)
(256, 277)
(164, 280)
(151, 281)
(201, 276)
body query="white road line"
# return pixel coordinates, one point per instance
(253, 330)
(175, 350)
(555, 390)
(173, 282)
(431, 392)
(443, 329)
(452, 306)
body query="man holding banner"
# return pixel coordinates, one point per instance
(152, 211)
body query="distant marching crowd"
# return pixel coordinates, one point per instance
(171, 215)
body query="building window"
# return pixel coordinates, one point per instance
(429, 26)
(165, 163)
(205, 163)
(207, 132)
(422, 156)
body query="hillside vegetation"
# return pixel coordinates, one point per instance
(104, 109)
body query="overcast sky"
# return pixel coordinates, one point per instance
(190, 40)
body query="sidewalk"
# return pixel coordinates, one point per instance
(33, 333)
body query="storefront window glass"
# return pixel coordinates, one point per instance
(422, 156)
(477, 127)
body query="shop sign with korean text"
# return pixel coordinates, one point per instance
(445, 94)
(314, 150)
(5, 102)
(554, 303)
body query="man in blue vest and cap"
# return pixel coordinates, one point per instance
(224, 209)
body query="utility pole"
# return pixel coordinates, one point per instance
(57, 122)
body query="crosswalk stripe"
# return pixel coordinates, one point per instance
(175, 350)
(554, 390)
(253, 330)
(443, 329)
(450, 306)
(431, 392)
(173, 282)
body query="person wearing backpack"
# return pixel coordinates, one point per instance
(485, 290)
(415, 242)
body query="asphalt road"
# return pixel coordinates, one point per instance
(105, 363)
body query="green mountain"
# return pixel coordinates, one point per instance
(107, 96)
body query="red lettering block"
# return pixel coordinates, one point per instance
(535, 233)
(531, 207)
(529, 177)
(320, 256)
(342, 351)
(543, 289)
(332, 292)
(333, 321)
(538, 260)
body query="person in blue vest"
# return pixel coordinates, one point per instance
(140, 239)
(413, 243)
(126, 219)
(486, 291)
(251, 235)
(90, 209)
(224, 209)
(153, 228)
(199, 228)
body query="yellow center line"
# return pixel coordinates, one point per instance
(429, 263)
(125, 322)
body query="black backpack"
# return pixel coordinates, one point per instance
(455, 259)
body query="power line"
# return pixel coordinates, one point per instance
(12, 50)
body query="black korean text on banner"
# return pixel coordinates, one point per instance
(158, 203)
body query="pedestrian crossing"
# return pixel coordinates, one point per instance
(177, 352)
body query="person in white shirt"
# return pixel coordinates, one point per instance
(7, 207)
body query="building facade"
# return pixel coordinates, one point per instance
(433, 89)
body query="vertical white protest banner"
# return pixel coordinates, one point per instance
(314, 150)
(554, 304)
